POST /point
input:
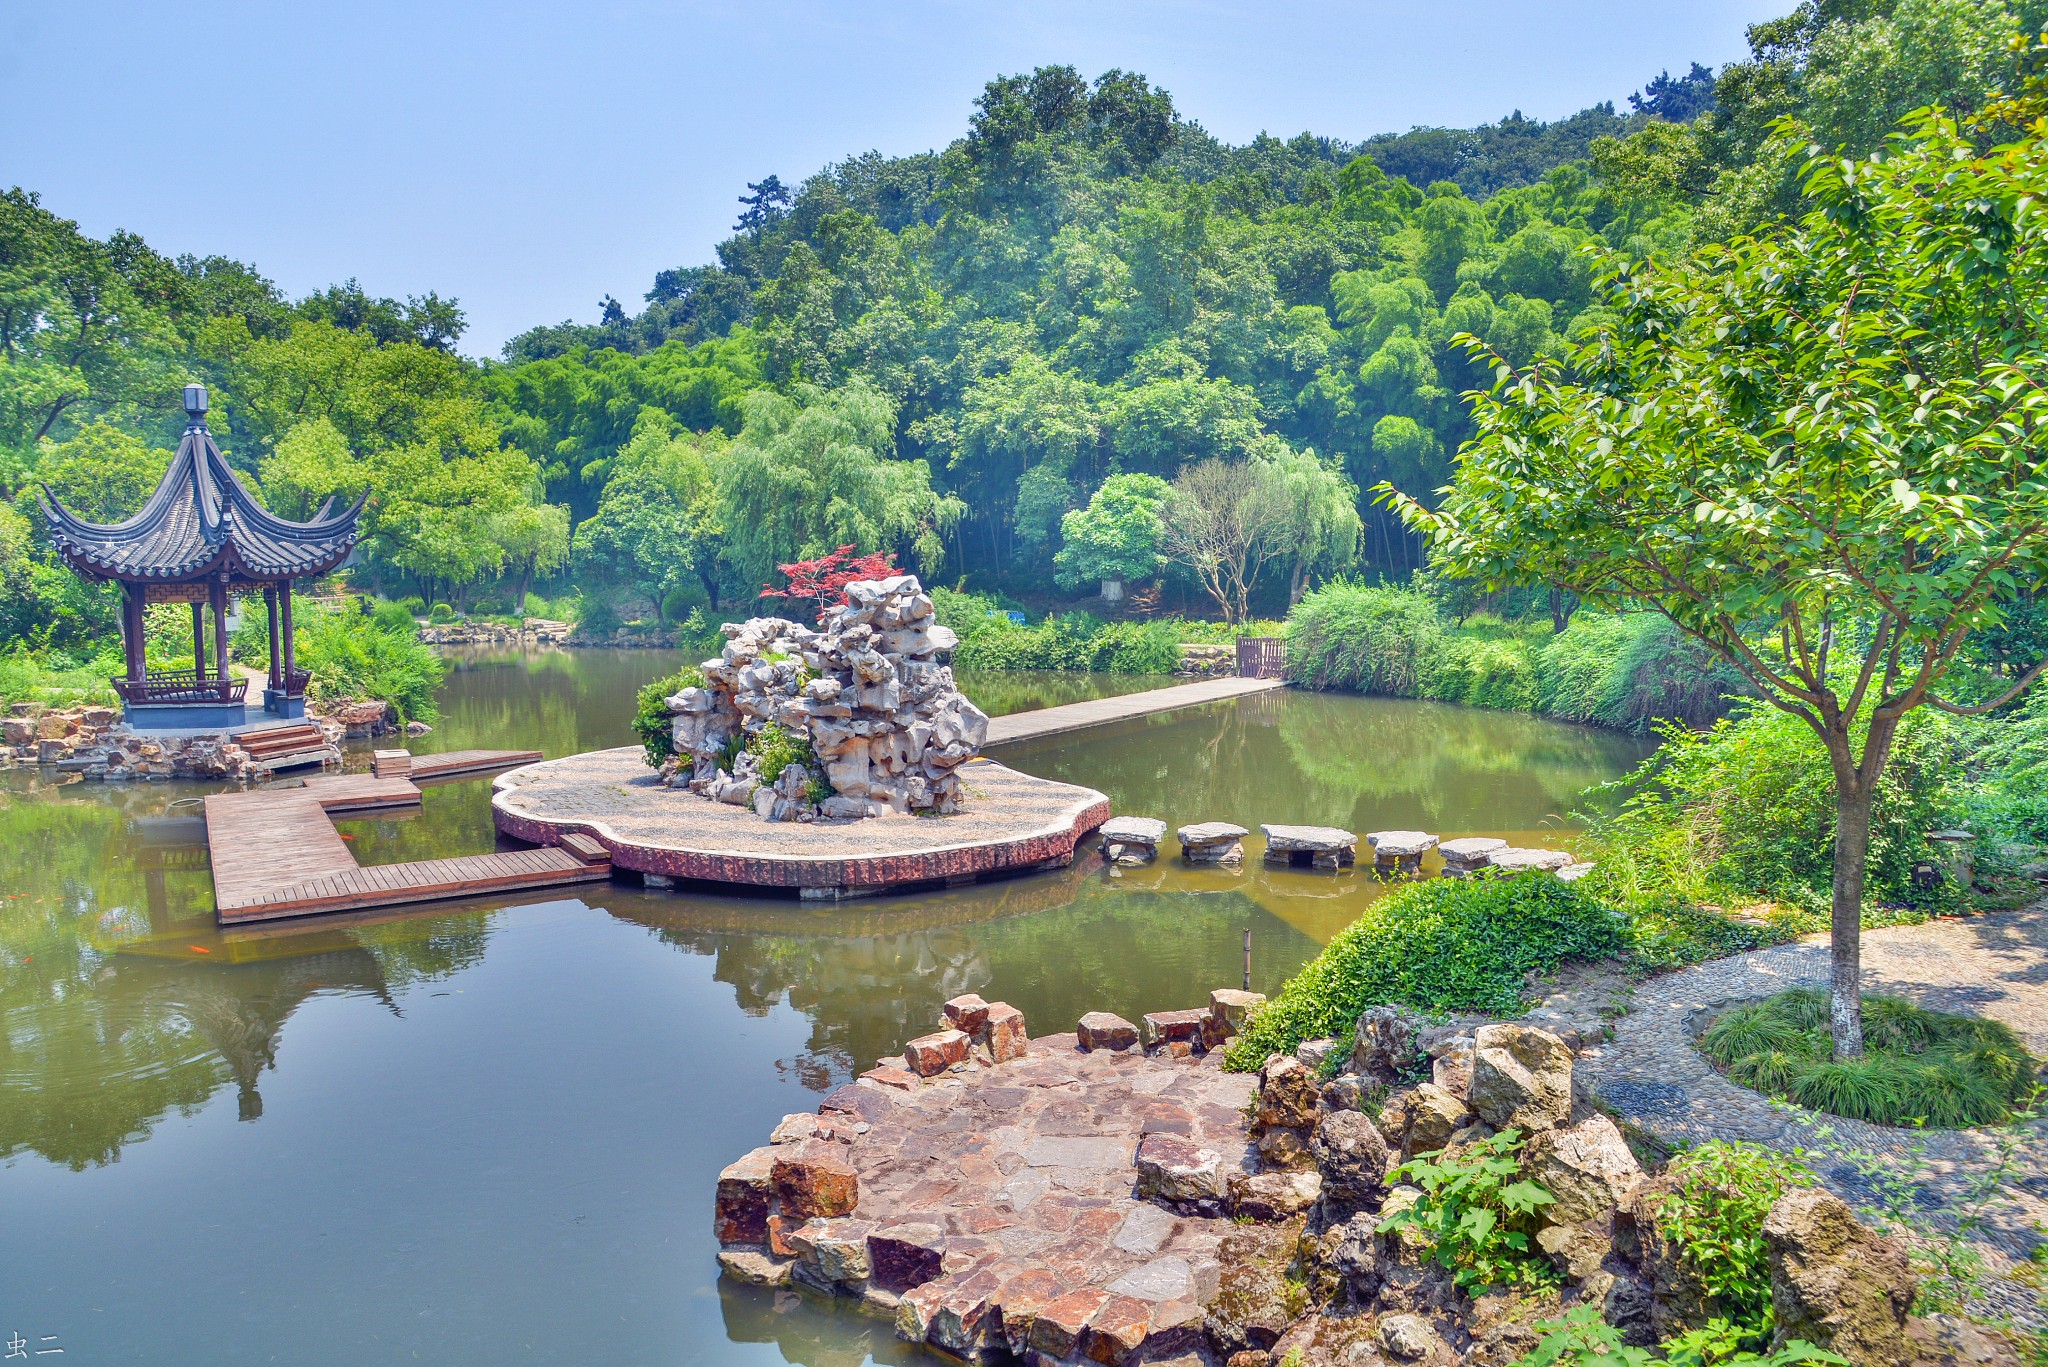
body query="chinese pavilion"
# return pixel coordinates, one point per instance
(200, 538)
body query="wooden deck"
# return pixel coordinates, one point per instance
(1049, 721)
(275, 853)
(466, 763)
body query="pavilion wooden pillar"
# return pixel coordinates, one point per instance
(291, 662)
(134, 637)
(198, 639)
(217, 598)
(276, 660)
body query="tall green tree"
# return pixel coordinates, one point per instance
(1816, 451)
(818, 471)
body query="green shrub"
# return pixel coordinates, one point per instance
(1919, 1066)
(1746, 811)
(1362, 638)
(1481, 670)
(775, 749)
(441, 614)
(1715, 1213)
(597, 617)
(1446, 944)
(1582, 1337)
(1630, 670)
(386, 617)
(650, 713)
(353, 656)
(415, 605)
(1476, 1215)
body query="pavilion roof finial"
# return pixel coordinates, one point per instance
(195, 408)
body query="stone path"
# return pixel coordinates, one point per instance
(1995, 965)
(999, 1203)
(1047, 721)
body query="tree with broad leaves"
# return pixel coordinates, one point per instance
(822, 582)
(1818, 451)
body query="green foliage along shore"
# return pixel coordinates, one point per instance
(1626, 671)
(1446, 944)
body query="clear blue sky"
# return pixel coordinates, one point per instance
(529, 158)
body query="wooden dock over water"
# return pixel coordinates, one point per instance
(1049, 721)
(275, 852)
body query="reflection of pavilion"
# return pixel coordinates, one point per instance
(240, 1009)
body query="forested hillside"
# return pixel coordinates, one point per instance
(1007, 362)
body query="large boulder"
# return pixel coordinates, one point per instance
(1588, 1168)
(1521, 1078)
(1287, 1093)
(1179, 1171)
(1351, 1155)
(1385, 1045)
(1423, 1120)
(1676, 1299)
(1835, 1282)
(1255, 1299)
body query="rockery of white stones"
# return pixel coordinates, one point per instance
(870, 693)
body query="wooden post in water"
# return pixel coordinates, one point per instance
(1247, 958)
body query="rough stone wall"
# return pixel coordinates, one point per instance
(868, 692)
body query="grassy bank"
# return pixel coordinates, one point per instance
(989, 639)
(1624, 671)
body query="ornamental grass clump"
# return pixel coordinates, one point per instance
(1920, 1067)
(1447, 944)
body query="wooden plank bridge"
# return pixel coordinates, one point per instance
(275, 852)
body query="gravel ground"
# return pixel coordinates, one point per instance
(1651, 1075)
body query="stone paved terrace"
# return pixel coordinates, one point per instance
(1015, 1183)
(1994, 965)
(1008, 822)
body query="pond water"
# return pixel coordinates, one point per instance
(490, 1133)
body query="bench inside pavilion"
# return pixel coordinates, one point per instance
(203, 539)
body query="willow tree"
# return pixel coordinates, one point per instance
(1817, 451)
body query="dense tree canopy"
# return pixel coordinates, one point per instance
(945, 356)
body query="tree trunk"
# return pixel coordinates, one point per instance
(1845, 931)
(1558, 616)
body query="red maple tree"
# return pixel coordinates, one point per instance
(822, 582)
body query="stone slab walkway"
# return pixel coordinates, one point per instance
(1048, 721)
(1995, 965)
(1014, 1185)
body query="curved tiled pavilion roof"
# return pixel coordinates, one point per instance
(201, 521)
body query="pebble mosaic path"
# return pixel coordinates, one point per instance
(1651, 1075)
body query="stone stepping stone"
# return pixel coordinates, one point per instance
(1132, 839)
(1516, 860)
(1212, 842)
(1309, 847)
(1400, 852)
(1468, 854)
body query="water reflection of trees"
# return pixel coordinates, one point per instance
(119, 1001)
(870, 975)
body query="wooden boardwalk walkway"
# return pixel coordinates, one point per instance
(1050, 721)
(275, 853)
(448, 764)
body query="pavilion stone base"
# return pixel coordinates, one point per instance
(153, 718)
(1008, 823)
(95, 744)
(277, 703)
